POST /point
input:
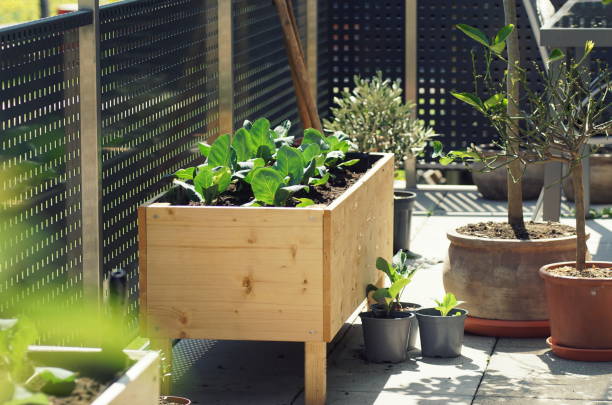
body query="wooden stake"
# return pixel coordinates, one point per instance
(306, 102)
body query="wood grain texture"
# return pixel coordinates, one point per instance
(282, 274)
(315, 373)
(234, 273)
(358, 229)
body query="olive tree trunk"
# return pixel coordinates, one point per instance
(581, 249)
(515, 169)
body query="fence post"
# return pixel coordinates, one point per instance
(410, 55)
(226, 69)
(312, 49)
(91, 165)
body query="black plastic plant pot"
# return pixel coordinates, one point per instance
(380, 312)
(403, 203)
(386, 339)
(441, 336)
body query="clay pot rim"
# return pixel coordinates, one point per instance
(174, 397)
(568, 280)
(477, 241)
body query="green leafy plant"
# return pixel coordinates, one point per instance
(400, 274)
(448, 303)
(263, 162)
(374, 116)
(20, 381)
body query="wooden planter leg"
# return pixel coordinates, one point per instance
(315, 372)
(165, 347)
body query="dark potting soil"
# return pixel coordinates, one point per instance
(588, 272)
(532, 230)
(340, 180)
(85, 391)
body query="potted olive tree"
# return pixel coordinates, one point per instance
(374, 116)
(578, 292)
(494, 265)
(388, 326)
(442, 328)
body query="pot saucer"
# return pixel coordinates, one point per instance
(572, 353)
(511, 329)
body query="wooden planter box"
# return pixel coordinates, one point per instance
(252, 273)
(139, 385)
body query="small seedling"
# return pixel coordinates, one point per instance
(447, 304)
(400, 274)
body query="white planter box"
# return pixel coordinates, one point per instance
(139, 385)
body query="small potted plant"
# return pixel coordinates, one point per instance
(442, 328)
(377, 120)
(396, 270)
(387, 327)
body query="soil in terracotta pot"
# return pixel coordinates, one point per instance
(168, 401)
(532, 230)
(588, 272)
(85, 391)
(341, 179)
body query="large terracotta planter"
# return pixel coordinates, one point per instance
(579, 309)
(600, 179)
(493, 185)
(498, 278)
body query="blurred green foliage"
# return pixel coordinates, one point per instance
(18, 11)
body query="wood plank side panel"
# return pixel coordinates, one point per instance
(235, 273)
(361, 229)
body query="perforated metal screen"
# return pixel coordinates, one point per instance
(365, 36)
(159, 98)
(262, 79)
(323, 58)
(444, 65)
(40, 212)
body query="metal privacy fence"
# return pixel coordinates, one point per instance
(69, 217)
(91, 123)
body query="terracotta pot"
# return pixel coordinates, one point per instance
(579, 308)
(175, 400)
(601, 180)
(493, 185)
(498, 278)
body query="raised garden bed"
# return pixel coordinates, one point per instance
(265, 273)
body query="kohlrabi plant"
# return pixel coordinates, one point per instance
(448, 303)
(263, 161)
(400, 273)
(20, 381)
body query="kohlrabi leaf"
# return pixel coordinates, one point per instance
(264, 183)
(204, 148)
(185, 174)
(349, 163)
(260, 134)
(313, 136)
(310, 151)
(243, 145)
(289, 162)
(321, 181)
(474, 33)
(189, 188)
(220, 152)
(265, 152)
(305, 202)
(257, 163)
